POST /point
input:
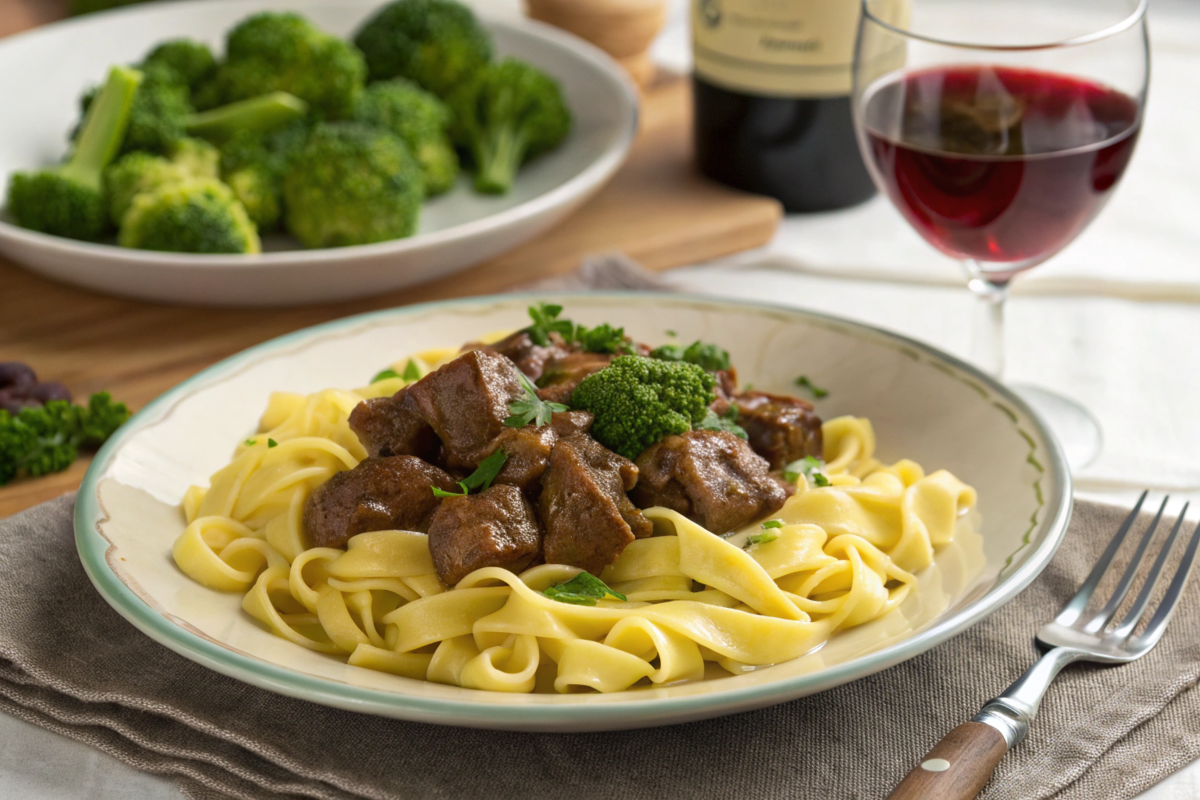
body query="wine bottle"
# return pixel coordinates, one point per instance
(771, 95)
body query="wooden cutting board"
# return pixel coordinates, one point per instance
(656, 209)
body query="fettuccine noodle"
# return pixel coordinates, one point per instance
(845, 554)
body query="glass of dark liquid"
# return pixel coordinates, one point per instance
(999, 129)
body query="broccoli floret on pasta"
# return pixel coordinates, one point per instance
(637, 401)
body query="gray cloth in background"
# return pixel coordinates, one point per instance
(70, 663)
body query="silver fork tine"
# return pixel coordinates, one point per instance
(1158, 623)
(1143, 599)
(1105, 615)
(1074, 608)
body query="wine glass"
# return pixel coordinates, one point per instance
(999, 129)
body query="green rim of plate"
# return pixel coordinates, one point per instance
(636, 711)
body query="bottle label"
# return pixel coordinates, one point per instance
(786, 48)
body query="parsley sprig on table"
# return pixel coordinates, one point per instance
(46, 439)
(530, 408)
(480, 479)
(582, 590)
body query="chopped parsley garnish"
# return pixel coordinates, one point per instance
(250, 442)
(772, 523)
(546, 321)
(530, 408)
(809, 467)
(582, 590)
(804, 383)
(670, 333)
(603, 338)
(709, 357)
(760, 538)
(726, 422)
(272, 443)
(481, 478)
(384, 375)
(411, 371)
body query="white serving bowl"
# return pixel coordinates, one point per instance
(925, 405)
(457, 230)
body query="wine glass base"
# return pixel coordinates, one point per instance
(1073, 425)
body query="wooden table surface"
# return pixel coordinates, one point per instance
(656, 209)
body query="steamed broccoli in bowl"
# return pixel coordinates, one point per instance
(505, 115)
(436, 43)
(200, 215)
(69, 200)
(282, 51)
(352, 184)
(421, 120)
(306, 132)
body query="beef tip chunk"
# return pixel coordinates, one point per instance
(782, 429)
(725, 390)
(466, 403)
(711, 477)
(562, 375)
(496, 528)
(529, 356)
(528, 451)
(393, 426)
(380, 494)
(587, 516)
(567, 422)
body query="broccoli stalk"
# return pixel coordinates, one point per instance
(509, 113)
(69, 200)
(261, 114)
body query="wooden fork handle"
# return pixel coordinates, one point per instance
(957, 767)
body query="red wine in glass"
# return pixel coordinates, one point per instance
(998, 165)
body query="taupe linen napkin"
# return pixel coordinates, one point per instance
(69, 663)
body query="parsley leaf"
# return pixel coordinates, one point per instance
(411, 371)
(530, 408)
(250, 442)
(582, 590)
(44, 439)
(670, 333)
(603, 338)
(272, 443)
(803, 466)
(384, 375)
(481, 478)
(546, 321)
(820, 480)
(707, 356)
(760, 538)
(804, 383)
(726, 422)
(773, 523)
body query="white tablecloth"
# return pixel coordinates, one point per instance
(1113, 323)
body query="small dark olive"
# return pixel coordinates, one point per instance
(14, 403)
(47, 391)
(16, 374)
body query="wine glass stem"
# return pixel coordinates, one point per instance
(987, 340)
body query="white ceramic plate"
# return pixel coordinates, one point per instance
(925, 405)
(457, 230)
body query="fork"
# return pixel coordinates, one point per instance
(963, 761)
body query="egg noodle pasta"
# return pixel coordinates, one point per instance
(842, 555)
